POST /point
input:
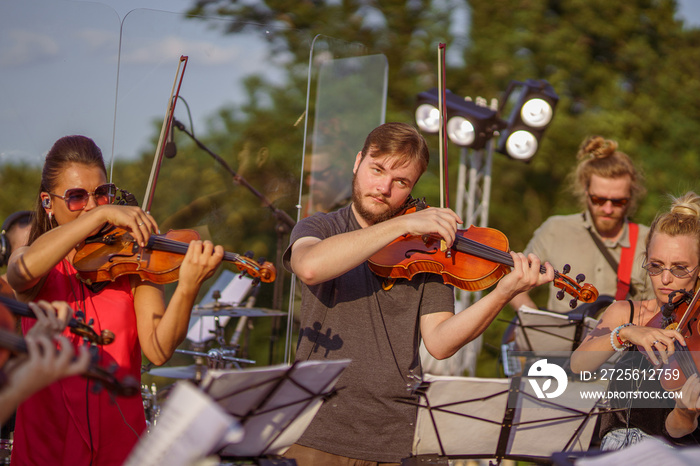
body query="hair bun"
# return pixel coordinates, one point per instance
(595, 147)
(687, 204)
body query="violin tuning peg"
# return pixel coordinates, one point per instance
(580, 278)
(262, 260)
(92, 322)
(249, 254)
(560, 295)
(566, 269)
(256, 281)
(80, 316)
(573, 303)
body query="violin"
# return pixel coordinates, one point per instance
(77, 325)
(115, 252)
(682, 315)
(478, 259)
(104, 378)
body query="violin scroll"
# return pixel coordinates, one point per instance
(76, 324)
(586, 293)
(260, 270)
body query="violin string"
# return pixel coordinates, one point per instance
(179, 247)
(469, 246)
(685, 361)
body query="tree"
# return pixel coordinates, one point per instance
(622, 70)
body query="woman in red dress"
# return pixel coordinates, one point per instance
(68, 423)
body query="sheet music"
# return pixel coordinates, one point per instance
(274, 404)
(454, 408)
(649, 452)
(190, 426)
(547, 331)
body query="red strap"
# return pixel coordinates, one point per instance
(624, 270)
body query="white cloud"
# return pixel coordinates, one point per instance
(98, 39)
(22, 46)
(171, 48)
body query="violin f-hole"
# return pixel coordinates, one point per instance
(411, 252)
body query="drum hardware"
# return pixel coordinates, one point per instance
(234, 311)
(150, 405)
(218, 356)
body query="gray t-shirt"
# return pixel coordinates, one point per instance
(351, 317)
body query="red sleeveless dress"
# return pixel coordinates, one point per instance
(67, 423)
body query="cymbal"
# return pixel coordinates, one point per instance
(179, 372)
(233, 311)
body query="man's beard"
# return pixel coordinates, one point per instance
(369, 216)
(609, 225)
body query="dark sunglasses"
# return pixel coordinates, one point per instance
(677, 271)
(597, 200)
(78, 198)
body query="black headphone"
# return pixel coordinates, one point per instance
(23, 216)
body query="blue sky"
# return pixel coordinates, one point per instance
(59, 63)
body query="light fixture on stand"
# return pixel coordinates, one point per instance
(471, 125)
(531, 115)
(468, 124)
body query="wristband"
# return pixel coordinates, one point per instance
(615, 334)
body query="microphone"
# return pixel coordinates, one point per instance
(170, 148)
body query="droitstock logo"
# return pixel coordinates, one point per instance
(542, 368)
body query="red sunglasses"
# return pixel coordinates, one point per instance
(78, 198)
(599, 201)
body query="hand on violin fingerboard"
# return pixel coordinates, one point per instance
(200, 262)
(51, 318)
(525, 275)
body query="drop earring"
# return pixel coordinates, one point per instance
(51, 219)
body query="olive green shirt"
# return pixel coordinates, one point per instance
(564, 239)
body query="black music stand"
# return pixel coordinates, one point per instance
(478, 418)
(541, 331)
(274, 404)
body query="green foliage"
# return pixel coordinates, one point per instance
(628, 71)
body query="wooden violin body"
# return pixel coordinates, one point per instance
(409, 255)
(116, 253)
(682, 315)
(477, 259)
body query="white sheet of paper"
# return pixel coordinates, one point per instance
(274, 404)
(189, 427)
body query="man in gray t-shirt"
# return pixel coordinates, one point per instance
(348, 312)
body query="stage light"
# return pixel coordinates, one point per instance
(428, 118)
(468, 124)
(531, 115)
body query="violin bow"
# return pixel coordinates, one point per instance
(165, 129)
(444, 182)
(444, 190)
